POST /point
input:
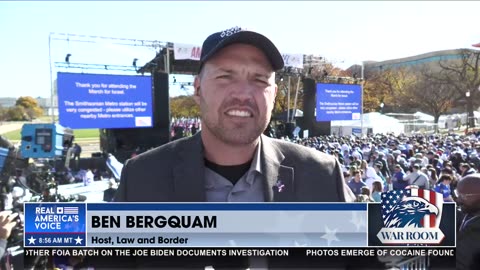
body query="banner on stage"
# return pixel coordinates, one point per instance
(193, 52)
(186, 52)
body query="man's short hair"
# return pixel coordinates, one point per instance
(465, 165)
(447, 177)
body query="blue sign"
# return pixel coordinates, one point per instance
(338, 102)
(357, 130)
(55, 224)
(104, 101)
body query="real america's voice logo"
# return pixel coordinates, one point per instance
(411, 217)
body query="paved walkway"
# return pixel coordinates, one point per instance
(7, 126)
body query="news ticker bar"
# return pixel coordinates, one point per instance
(196, 225)
(261, 252)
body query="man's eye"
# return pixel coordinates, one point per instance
(225, 76)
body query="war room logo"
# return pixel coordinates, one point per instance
(411, 217)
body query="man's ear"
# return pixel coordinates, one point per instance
(196, 87)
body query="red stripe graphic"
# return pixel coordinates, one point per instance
(420, 194)
(433, 200)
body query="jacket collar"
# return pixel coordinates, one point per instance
(189, 172)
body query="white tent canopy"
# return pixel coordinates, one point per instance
(376, 122)
(424, 117)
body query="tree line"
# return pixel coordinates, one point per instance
(434, 88)
(25, 109)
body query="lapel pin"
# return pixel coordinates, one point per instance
(279, 186)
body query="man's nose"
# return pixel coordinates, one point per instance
(242, 90)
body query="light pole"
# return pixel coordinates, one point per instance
(362, 73)
(381, 107)
(467, 96)
(52, 109)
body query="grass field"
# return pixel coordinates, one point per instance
(12, 135)
(80, 134)
(48, 118)
(86, 133)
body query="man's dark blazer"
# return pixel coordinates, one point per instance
(174, 172)
(468, 246)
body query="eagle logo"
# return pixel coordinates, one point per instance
(409, 212)
(411, 217)
(411, 208)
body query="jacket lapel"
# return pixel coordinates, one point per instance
(280, 179)
(189, 172)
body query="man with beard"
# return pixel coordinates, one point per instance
(468, 237)
(230, 160)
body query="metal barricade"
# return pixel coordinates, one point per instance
(415, 263)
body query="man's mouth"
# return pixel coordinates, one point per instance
(239, 113)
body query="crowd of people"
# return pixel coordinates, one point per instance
(378, 163)
(448, 164)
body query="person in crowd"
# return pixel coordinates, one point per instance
(365, 191)
(363, 198)
(77, 151)
(382, 159)
(377, 191)
(391, 162)
(475, 159)
(466, 169)
(109, 193)
(468, 237)
(437, 164)
(230, 160)
(432, 176)
(7, 223)
(369, 175)
(456, 160)
(398, 180)
(378, 169)
(417, 178)
(356, 183)
(443, 187)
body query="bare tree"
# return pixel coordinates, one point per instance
(429, 95)
(388, 86)
(463, 76)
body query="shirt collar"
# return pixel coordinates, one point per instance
(256, 164)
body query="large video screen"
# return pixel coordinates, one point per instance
(338, 102)
(104, 101)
